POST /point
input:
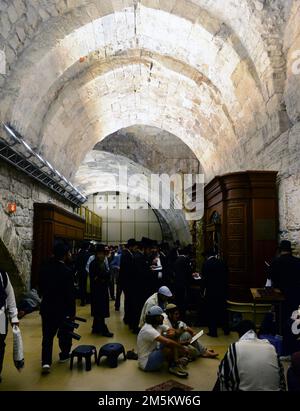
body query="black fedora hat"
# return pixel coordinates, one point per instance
(285, 245)
(131, 242)
(100, 248)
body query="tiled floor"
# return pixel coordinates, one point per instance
(126, 377)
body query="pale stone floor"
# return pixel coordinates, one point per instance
(126, 377)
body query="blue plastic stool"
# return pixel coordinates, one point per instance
(84, 351)
(112, 352)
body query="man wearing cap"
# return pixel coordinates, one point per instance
(183, 333)
(284, 273)
(160, 298)
(154, 349)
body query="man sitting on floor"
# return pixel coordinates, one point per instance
(154, 348)
(160, 298)
(250, 364)
(184, 333)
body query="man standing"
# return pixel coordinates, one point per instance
(126, 279)
(58, 304)
(99, 278)
(80, 265)
(183, 271)
(215, 281)
(284, 273)
(8, 308)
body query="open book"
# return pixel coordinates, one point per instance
(198, 335)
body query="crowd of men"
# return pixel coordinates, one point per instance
(155, 281)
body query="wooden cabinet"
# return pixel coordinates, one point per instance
(52, 222)
(241, 223)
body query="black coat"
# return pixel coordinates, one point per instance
(182, 271)
(215, 279)
(57, 290)
(284, 272)
(142, 276)
(99, 282)
(126, 274)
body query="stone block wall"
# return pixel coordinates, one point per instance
(16, 230)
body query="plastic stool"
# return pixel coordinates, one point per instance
(112, 352)
(84, 351)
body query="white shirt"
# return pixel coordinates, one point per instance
(158, 268)
(168, 325)
(257, 364)
(146, 342)
(153, 300)
(10, 308)
(91, 258)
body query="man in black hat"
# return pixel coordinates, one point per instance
(99, 280)
(58, 304)
(215, 281)
(284, 273)
(284, 269)
(126, 278)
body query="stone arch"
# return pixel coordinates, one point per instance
(91, 115)
(213, 32)
(27, 21)
(13, 258)
(99, 173)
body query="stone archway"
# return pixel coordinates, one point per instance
(8, 265)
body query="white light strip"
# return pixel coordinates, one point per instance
(57, 173)
(10, 131)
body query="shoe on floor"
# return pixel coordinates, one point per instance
(64, 357)
(212, 335)
(131, 355)
(178, 371)
(107, 334)
(46, 368)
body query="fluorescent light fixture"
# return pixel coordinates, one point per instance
(11, 132)
(58, 173)
(27, 146)
(69, 190)
(49, 165)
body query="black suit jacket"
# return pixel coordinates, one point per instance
(57, 290)
(215, 278)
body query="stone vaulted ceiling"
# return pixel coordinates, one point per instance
(214, 73)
